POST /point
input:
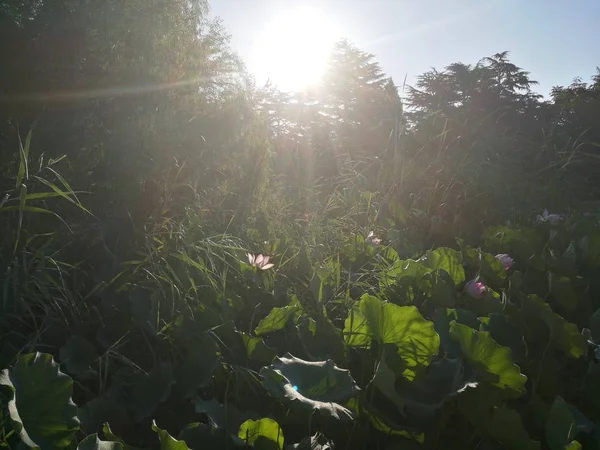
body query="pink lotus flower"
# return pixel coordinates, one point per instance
(372, 240)
(261, 262)
(552, 219)
(506, 260)
(475, 289)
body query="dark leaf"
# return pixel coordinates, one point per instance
(98, 411)
(79, 355)
(566, 335)
(148, 390)
(492, 361)
(199, 436)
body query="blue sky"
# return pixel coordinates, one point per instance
(555, 40)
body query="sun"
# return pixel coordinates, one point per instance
(293, 47)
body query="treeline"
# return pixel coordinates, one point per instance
(155, 113)
(167, 228)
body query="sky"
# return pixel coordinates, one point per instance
(555, 40)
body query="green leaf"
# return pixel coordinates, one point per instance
(563, 423)
(448, 260)
(93, 443)
(492, 361)
(263, 434)
(566, 335)
(199, 436)
(310, 385)
(575, 445)
(436, 274)
(276, 320)
(372, 320)
(40, 405)
(404, 272)
(168, 442)
(78, 354)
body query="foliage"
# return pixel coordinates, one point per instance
(157, 172)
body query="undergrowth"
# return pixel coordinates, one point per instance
(374, 322)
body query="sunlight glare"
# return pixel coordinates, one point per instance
(293, 48)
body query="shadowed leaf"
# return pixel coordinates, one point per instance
(99, 410)
(566, 335)
(150, 390)
(310, 385)
(564, 423)
(78, 354)
(442, 319)
(492, 361)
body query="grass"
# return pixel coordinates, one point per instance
(147, 285)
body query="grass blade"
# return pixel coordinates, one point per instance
(24, 156)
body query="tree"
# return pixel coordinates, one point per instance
(124, 88)
(350, 116)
